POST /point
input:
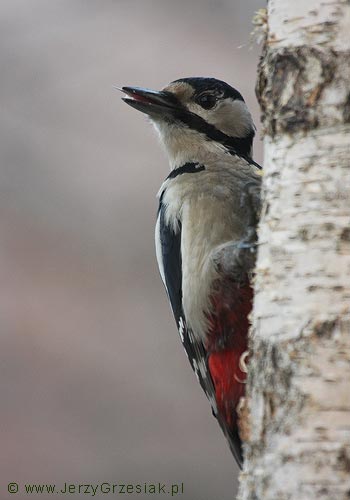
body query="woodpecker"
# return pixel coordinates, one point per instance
(206, 230)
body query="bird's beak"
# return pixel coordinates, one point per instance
(156, 104)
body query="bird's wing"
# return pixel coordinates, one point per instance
(168, 248)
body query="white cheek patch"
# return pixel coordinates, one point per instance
(230, 116)
(198, 110)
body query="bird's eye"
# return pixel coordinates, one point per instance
(207, 101)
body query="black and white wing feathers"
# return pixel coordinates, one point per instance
(168, 249)
(168, 246)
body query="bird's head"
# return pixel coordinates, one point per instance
(196, 115)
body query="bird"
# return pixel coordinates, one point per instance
(206, 231)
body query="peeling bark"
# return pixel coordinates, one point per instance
(298, 394)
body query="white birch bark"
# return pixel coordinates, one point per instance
(298, 438)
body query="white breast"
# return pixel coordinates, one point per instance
(206, 203)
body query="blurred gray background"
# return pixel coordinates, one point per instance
(95, 385)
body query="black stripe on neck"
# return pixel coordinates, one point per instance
(188, 168)
(240, 146)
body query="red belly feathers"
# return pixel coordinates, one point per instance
(226, 345)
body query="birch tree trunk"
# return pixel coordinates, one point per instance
(298, 439)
